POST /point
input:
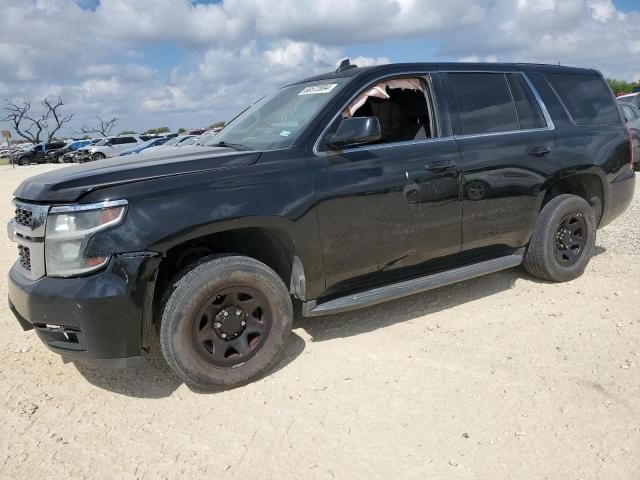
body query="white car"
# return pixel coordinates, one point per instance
(107, 147)
(633, 98)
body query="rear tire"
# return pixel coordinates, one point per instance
(563, 239)
(98, 156)
(225, 322)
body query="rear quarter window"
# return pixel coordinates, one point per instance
(587, 98)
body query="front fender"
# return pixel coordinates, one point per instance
(167, 212)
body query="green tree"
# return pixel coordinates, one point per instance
(218, 124)
(127, 132)
(181, 130)
(156, 131)
(620, 86)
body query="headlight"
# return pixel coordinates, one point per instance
(68, 231)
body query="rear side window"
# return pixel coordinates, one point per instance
(586, 97)
(529, 112)
(484, 102)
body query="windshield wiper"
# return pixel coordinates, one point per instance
(236, 146)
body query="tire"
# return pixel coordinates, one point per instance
(23, 161)
(59, 159)
(98, 156)
(567, 220)
(202, 336)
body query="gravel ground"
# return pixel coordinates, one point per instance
(499, 377)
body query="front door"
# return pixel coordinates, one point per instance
(387, 209)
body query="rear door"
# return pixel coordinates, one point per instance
(505, 135)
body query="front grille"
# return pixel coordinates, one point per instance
(25, 256)
(27, 229)
(24, 217)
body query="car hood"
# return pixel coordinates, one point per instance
(70, 183)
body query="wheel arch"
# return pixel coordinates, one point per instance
(267, 242)
(588, 184)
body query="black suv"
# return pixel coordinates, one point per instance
(36, 154)
(342, 190)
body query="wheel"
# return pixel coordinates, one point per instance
(224, 322)
(563, 239)
(98, 156)
(60, 158)
(23, 161)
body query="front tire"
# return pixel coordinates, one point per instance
(98, 156)
(563, 239)
(225, 322)
(23, 161)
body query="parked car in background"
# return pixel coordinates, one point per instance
(36, 154)
(107, 147)
(633, 98)
(188, 141)
(148, 144)
(205, 138)
(56, 156)
(173, 142)
(632, 117)
(196, 131)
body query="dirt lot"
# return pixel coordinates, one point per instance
(499, 377)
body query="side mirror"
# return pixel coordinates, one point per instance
(355, 131)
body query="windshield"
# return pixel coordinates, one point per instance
(173, 141)
(148, 143)
(276, 120)
(205, 138)
(189, 141)
(77, 145)
(102, 142)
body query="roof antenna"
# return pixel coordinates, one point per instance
(345, 65)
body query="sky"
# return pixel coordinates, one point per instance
(182, 63)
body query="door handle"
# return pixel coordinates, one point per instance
(538, 151)
(439, 166)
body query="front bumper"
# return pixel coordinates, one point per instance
(82, 156)
(96, 319)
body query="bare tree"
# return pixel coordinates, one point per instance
(53, 111)
(102, 127)
(27, 126)
(32, 126)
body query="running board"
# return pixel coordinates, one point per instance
(410, 287)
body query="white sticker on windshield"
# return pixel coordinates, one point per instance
(285, 133)
(318, 89)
